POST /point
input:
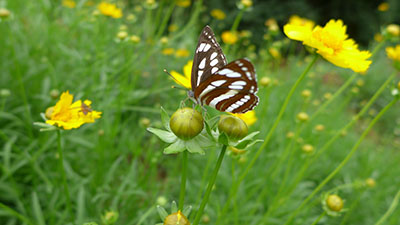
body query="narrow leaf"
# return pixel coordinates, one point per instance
(37, 210)
(165, 136)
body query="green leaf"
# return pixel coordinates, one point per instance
(186, 211)
(176, 147)
(37, 210)
(165, 119)
(174, 207)
(244, 142)
(223, 139)
(194, 147)
(165, 136)
(80, 209)
(161, 211)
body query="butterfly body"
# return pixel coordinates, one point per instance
(228, 87)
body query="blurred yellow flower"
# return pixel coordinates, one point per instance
(229, 37)
(122, 35)
(164, 40)
(246, 3)
(70, 115)
(378, 37)
(218, 14)
(296, 20)
(249, 117)
(168, 51)
(134, 39)
(182, 52)
(332, 43)
(272, 24)
(109, 9)
(393, 29)
(69, 3)
(393, 53)
(4, 13)
(185, 79)
(384, 6)
(274, 52)
(183, 3)
(172, 27)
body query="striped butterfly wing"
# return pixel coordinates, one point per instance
(232, 88)
(208, 58)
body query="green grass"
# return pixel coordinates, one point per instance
(115, 164)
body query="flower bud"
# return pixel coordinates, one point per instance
(319, 127)
(176, 218)
(306, 93)
(233, 127)
(4, 13)
(370, 182)
(328, 96)
(161, 200)
(186, 123)
(307, 148)
(54, 94)
(290, 134)
(134, 39)
(334, 203)
(122, 35)
(110, 217)
(144, 122)
(49, 112)
(393, 29)
(302, 116)
(205, 218)
(265, 81)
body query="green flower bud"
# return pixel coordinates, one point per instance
(110, 217)
(176, 218)
(233, 127)
(186, 123)
(334, 202)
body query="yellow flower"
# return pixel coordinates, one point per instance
(109, 9)
(182, 52)
(229, 37)
(299, 21)
(185, 79)
(4, 13)
(134, 39)
(70, 115)
(384, 6)
(249, 117)
(246, 3)
(393, 53)
(393, 29)
(168, 51)
(332, 43)
(69, 3)
(378, 37)
(218, 14)
(272, 24)
(183, 3)
(274, 52)
(122, 35)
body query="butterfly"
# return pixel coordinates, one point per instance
(228, 87)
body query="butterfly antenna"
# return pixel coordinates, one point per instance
(175, 81)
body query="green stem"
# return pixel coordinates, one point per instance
(319, 218)
(164, 22)
(183, 180)
(344, 162)
(234, 27)
(62, 171)
(210, 185)
(392, 207)
(15, 213)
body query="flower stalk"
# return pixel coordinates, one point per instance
(210, 185)
(62, 171)
(344, 162)
(183, 180)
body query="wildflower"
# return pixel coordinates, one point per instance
(176, 218)
(150, 4)
(265, 81)
(131, 17)
(302, 116)
(70, 115)
(172, 28)
(185, 79)
(290, 134)
(186, 123)
(218, 14)
(161, 200)
(332, 43)
(144, 122)
(205, 218)
(360, 82)
(393, 53)
(100, 132)
(328, 95)
(378, 37)
(296, 20)
(168, 51)
(272, 24)
(393, 29)
(183, 3)
(134, 39)
(355, 90)
(4, 13)
(69, 3)
(274, 52)
(109, 9)
(182, 52)
(370, 182)
(164, 40)
(384, 6)
(249, 117)
(123, 27)
(233, 127)
(319, 127)
(307, 148)
(245, 4)
(306, 93)
(122, 35)
(229, 37)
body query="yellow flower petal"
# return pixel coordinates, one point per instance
(296, 32)
(249, 117)
(180, 79)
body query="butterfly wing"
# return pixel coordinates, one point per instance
(232, 88)
(208, 58)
